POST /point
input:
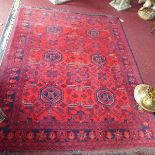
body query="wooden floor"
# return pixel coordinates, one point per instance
(142, 42)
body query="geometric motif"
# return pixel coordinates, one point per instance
(105, 97)
(51, 95)
(67, 83)
(98, 59)
(77, 74)
(93, 33)
(53, 57)
(54, 29)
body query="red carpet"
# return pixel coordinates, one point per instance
(67, 85)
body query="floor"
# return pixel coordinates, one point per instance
(4, 12)
(141, 41)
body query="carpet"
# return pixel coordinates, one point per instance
(67, 83)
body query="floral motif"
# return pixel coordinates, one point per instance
(127, 134)
(148, 133)
(52, 135)
(82, 136)
(30, 135)
(109, 135)
(134, 134)
(92, 135)
(41, 136)
(71, 135)
(118, 135)
(62, 135)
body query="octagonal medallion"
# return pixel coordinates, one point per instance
(51, 94)
(105, 97)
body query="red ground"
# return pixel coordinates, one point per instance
(141, 41)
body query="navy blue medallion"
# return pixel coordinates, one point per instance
(98, 59)
(53, 57)
(105, 97)
(93, 33)
(51, 94)
(54, 29)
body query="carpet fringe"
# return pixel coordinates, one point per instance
(141, 151)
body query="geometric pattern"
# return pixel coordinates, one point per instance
(53, 57)
(98, 59)
(51, 95)
(105, 97)
(67, 84)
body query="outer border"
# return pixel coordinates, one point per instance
(5, 37)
